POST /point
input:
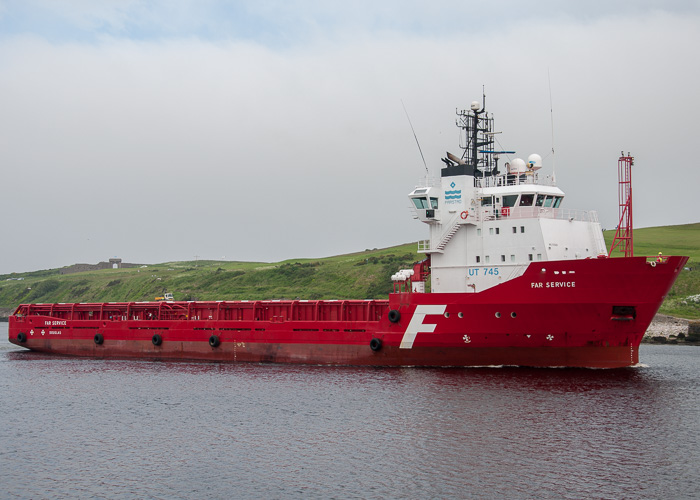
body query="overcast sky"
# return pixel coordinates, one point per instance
(164, 130)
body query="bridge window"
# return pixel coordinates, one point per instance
(557, 201)
(509, 200)
(548, 202)
(526, 200)
(487, 200)
(540, 200)
(420, 203)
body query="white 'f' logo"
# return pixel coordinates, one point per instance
(416, 325)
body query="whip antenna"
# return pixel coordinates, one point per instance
(416, 137)
(551, 119)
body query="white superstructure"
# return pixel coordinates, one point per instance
(487, 226)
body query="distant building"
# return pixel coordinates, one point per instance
(112, 264)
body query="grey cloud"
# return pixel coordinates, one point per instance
(162, 150)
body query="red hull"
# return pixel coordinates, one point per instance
(581, 313)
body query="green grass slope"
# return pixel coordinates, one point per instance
(671, 240)
(354, 276)
(359, 275)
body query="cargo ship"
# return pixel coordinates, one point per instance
(508, 277)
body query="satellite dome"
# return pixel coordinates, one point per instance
(534, 160)
(517, 166)
(475, 105)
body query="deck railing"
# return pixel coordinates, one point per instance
(487, 213)
(538, 213)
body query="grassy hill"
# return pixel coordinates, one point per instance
(353, 276)
(671, 240)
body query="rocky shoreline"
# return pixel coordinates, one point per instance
(670, 330)
(5, 313)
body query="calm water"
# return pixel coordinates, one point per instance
(135, 429)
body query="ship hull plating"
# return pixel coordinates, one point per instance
(581, 313)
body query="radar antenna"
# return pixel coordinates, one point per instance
(478, 134)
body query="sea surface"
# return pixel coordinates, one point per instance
(82, 428)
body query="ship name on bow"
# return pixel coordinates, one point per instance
(553, 284)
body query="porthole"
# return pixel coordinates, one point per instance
(513, 315)
(498, 315)
(447, 315)
(460, 315)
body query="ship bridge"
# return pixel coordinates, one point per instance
(488, 223)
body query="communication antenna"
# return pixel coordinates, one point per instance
(551, 119)
(416, 137)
